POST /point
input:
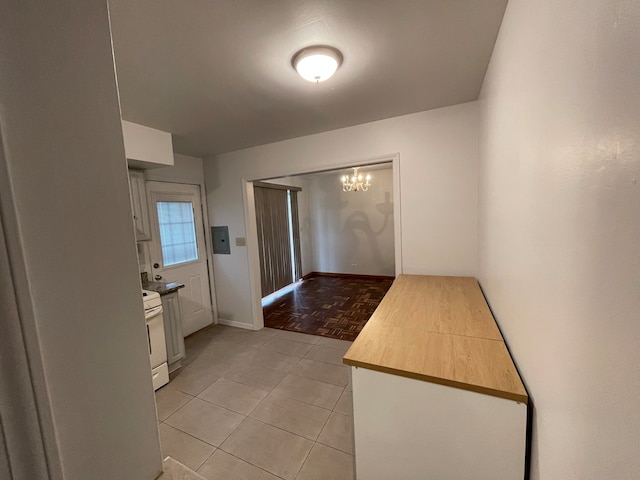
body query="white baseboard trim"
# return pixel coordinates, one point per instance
(233, 323)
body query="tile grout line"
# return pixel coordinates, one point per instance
(273, 426)
(330, 446)
(293, 433)
(206, 459)
(304, 461)
(252, 464)
(317, 380)
(192, 436)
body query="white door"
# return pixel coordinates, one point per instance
(178, 250)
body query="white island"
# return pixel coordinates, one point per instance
(436, 395)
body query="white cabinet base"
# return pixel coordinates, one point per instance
(408, 429)
(160, 376)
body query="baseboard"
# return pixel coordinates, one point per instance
(347, 275)
(233, 323)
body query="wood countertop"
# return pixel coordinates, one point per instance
(440, 330)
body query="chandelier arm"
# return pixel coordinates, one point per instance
(355, 183)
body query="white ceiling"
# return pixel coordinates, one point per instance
(218, 74)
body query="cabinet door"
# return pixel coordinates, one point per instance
(139, 205)
(173, 327)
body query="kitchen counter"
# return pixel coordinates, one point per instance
(162, 288)
(440, 330)
(430, 371)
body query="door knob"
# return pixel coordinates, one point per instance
(156, 265)
(157, 277)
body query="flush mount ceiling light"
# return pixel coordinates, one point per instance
(355, 183)
(318, 63)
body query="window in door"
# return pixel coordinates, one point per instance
(177, 232)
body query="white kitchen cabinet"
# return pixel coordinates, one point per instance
(173, 330)
(139, 205)
(436, 394)
(408, 429)
(147, 147)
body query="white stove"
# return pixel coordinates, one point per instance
(155, 334)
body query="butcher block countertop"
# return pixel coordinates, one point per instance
(440, 330)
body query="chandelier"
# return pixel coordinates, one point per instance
(355, 182)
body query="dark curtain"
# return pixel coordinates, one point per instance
(295, 221)
(274, 233)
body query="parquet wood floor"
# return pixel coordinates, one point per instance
(334, 307)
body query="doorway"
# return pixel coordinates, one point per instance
(178, 250)
(355, 226)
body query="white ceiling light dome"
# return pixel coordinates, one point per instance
(316, 64)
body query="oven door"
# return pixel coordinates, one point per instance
(155, 333)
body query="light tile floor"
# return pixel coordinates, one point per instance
(174, 470)
(260, 405)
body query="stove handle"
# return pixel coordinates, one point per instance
(152, 313)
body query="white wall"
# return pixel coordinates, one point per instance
(438, 189)
(64, 156)
(560, 226)
(353, 227)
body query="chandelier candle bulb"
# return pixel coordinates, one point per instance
(355, 184)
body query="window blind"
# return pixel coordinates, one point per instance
(177, 232)
(295, 222)
(277, 270)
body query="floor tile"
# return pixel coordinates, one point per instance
(321, 371)
(270, 332)
(292, 415)
(338, 433)
(226, 352)
(223, 333)
(325, 354)
(270, 448)
(234, 396)
(194, 378)
(276, 360)
(185, 362)
(343, 345)
(168, 400)
(288, 347)
(345, 403)
(325, 463)
(310, 391)
(254, 375)
(203, 420)
(194, 345)
(174, 470)
(222, 466)
(182, 447)
(249, 338)
(232, 372)
(299, 337)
